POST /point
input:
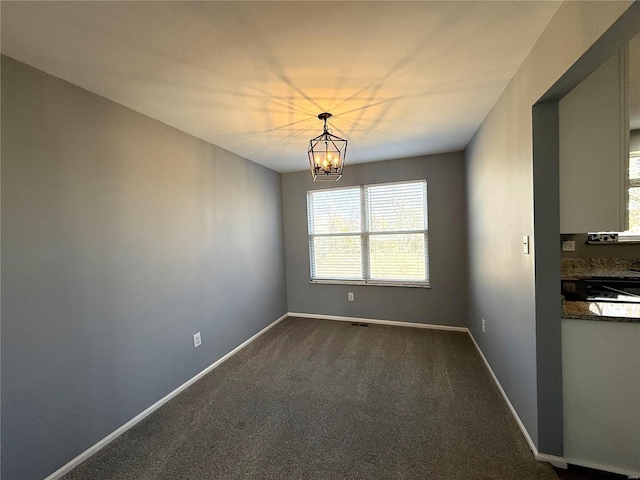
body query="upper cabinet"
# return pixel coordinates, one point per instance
(594, 152)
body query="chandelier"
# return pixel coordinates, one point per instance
(327, 153)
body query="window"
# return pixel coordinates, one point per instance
(633, 234)
(634, 198)
(371, 234)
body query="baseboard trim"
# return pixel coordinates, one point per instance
(379, 322)
(148, 411)
(559, 462)
(604, 468)
(554, 460)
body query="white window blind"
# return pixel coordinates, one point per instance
(634, 194)
(396, 221)
(335, 225)
(370, 234)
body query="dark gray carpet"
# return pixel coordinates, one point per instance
(317, 399)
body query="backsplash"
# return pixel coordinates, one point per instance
(604, 250)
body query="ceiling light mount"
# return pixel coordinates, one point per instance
(325, 116)
(327, 153)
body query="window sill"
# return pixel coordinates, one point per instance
(371, 284)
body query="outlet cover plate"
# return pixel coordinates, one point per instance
(197, 340)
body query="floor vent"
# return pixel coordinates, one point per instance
(360, 324)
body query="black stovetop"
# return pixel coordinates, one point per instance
(602, 289)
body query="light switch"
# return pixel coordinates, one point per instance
(525, 244)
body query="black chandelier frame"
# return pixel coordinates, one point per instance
(327, 153)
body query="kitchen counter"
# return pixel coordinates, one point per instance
(602, 273)
(601, 311)
(580, 268)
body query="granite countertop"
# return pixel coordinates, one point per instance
(612, 268)
(602, 311)
(580, 268)
(601, 273)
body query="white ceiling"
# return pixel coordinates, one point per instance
(400, 78)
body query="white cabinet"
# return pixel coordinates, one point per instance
(593, 139)
(601, 394)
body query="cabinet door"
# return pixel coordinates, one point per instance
(593, 157)
(601, 394)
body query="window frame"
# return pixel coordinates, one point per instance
(626, 237)
(365, 233)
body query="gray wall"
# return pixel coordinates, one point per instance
(444, 303)
(121, 238)
(546, 214)
(500, 179)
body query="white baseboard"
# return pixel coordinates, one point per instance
(379, 322)
(559, 462)
(542, 457)
(145, 413)
(556, 461)
(604, 468)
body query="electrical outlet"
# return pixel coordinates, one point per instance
(350, 296)
(197, 340)
(484, 325)
(569, 246)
